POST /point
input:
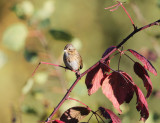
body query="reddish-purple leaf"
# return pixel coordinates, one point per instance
(147, 64)
(108, 114)
(117, 88)
(93, 80)
(130, 82)
(142, 73)
(107, 61)
(142, 105)
(108, 50)
(57, 121)
(141, 101)
(75, 114)
(105, 66)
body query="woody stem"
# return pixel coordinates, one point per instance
(69, 91)
(96, 64)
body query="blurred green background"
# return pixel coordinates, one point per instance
(37, 30)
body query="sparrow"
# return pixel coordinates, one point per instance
(72, 59)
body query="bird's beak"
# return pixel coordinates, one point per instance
(65, 50)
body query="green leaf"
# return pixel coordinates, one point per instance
(29, 110)
(30, 55)
(46, 11)
(44, 23)
(23, 9)
(27, 87)
(61, 35)
(14, 36)
(41, 77)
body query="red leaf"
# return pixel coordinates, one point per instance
(141, 101)
(108, 114)
(142, 73)
(108, 50)
(93, 79)
(117, 88)
(75, 114)
(107, 61)
(57, 121)
(147, 64)
(142, 105)
(130, 82)
(105, 66)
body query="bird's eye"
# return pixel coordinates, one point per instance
(69, 49)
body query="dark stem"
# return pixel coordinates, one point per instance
(90, 118)
(99, 116)
(109, 67)
(120, 59)
(137, 30)
(114, 55)
(119, 62)
(62, 101)
(129, 57)
(96, 117)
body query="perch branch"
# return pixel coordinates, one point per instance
(96, 64)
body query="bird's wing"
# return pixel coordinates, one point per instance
(81, 66)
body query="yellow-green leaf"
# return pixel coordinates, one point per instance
(14, 36)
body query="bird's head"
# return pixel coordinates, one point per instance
(69, 48)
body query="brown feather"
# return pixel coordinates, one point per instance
(72, 55)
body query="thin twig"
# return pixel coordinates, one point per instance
(129, 57)
(127, 14)
(141, 18)
(40, 35)
(109, 67)
(96, 117)
(119, 62)
(112, 6)
(90, 118)
(80, 102)
(114, 55)
(116, 7)
(49, 64)
(120, 58)
(135, 31)
(99, 116)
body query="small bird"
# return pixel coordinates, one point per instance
(72, 58)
